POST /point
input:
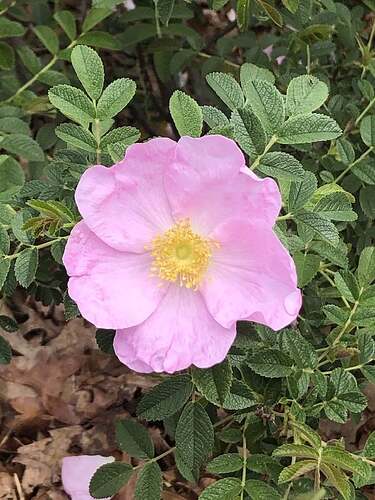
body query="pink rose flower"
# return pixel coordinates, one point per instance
(176, 245)
(76, 474)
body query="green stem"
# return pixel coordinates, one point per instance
(349, 167)
(332, 283)
(367, 108)
(369, 43)
(244, 464)
(285, 217)
(33, 79)
(308, 62)
(271, 142)
(8, 7)
(42, 245)
(317, 471)
(349, 369)
(40, 72)
(157, 20)
(228, 63)
(97, 138)
(347, 326)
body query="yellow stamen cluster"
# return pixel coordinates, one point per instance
(180, 255)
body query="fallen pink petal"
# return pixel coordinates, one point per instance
(76, 474)
(168, 255)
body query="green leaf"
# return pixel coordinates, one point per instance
(345, 151)
(223, 464)
(239, 397)
(214, 383)
(335, 314)
(270, 363)
(259, 490)
(344, 460)
(305, 94)
(67, 22)
(166, 398)
(369, 372)
(267, 103)
(26, 266)
(301, 191)
(367, 201)
(320, 226)
(70, 308)
(77, 136)
(194, 440)
(307, 266)
(282, 166)
(8, 324)
(101, 39)
(57, 250)
(227, 88)
(121, 135)
(29, 59)
(367, 130)
(298, 348)
(5, 352)
(365, 172)
(347, 285)
(214, 117)
(115, 97)
(94, 17)
(224, 489)
(296, 470)
(366, 346)
(10, 28)
(186, 114)
(309, 128)
(271, 12)
(53, 209)
(48, 38)
(248, 131)
(4, 241)
(307, 434)
(250, 72)
(7, 57)
(243, 14)
(336, 206)
(149, 483)
(4, 269)
(338, 479)
(23, 146)
(109, 479)
(164, 9)
(104, 339)
(366, 266)
(295, 450)
(369, 448)
(89, 69)
(73, 103)
(12, 125)
(12, 177)
(134, 439)
(292, 6)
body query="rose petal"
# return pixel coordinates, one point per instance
(251, 277)
(126, 205)
(210, 189)
(112, 289)
(181, 332)
(76, 474)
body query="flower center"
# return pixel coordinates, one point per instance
(181, 255)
